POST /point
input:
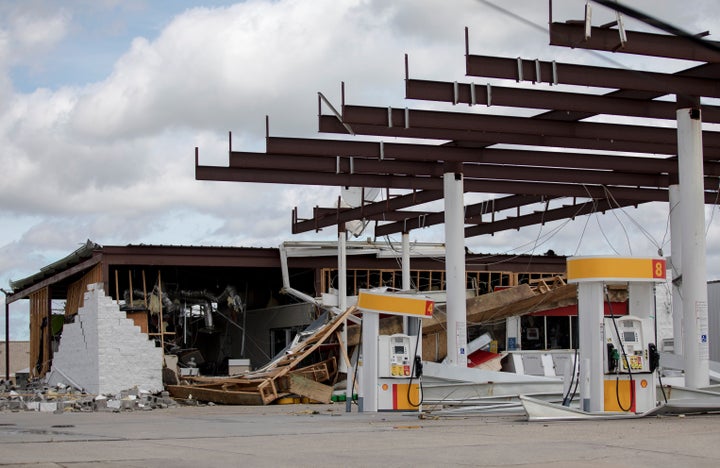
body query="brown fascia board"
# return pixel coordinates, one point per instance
(330, 124)
(491, 95)
(538, 71)
(156, 255)
(639, 43)
(428, 119)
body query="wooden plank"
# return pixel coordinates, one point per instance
(476, 306)
(214, 395)
(305, 387)
(304, 348)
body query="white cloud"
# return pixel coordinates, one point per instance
(112, 159)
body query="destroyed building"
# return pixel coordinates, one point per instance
(222, 309)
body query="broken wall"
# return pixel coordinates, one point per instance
(103, 351)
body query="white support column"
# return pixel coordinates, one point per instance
(406, 283)
(455, 269)
(590, 315)
(342, 305)
(676, 266)
(694, 284)
(342, 287)
(405, 263)
(368, 398)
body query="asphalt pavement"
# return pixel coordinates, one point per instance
(327, 435)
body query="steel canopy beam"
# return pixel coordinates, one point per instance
(543, 217)
(329, 124)
(233, 174)
(473, 214)
(639, 43)
(304, 164)
(371, 209)
(472, 94)
(429, 152)
(538, 71)
(426, 119)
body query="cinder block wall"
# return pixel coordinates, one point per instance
(104, 352)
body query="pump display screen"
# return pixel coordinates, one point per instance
(629, 336)
(399, 349)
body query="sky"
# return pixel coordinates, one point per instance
(102, 103)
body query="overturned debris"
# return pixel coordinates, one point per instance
(280, 378)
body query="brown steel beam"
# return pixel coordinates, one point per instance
(462, 93)
(233, 174)
(426, 119)
(301, 165)
(427, 152)
(397, 215)
(428, 218)
(639, 43)
(372, 209)
(472, 213)
(464, 138)
(538, 71)
(543, 217)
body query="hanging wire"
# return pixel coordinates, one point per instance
(645, 232)
(597, 220)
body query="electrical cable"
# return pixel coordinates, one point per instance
(587, 221)
(662, 389)
(566, 398)
(416, 366)
(605, 236)
(355, 371)
(645, 232)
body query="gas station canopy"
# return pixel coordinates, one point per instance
(593, 166)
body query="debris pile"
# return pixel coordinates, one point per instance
(61, 399)
(281, 378)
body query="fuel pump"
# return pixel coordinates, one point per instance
(630, 362)
(392, 364)
(617, 355)
(397, 368)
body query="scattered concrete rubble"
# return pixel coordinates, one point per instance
(61, 398)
